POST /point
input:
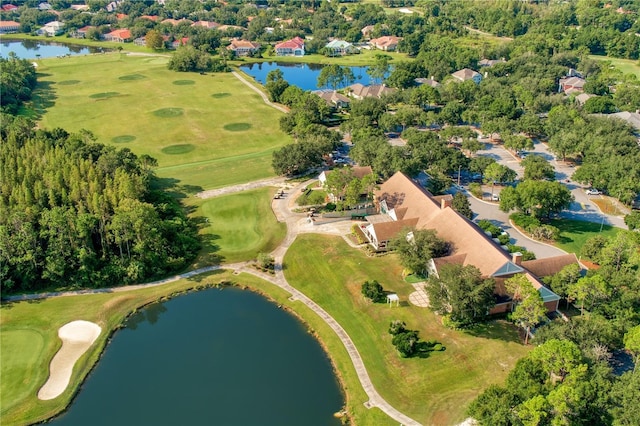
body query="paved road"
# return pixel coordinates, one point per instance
(583, 208)
(490, 211)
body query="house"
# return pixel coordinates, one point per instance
(340, 48)
(427, 82)
(79, 7)
(82, 32)
(119, 36)
(360, 91)
(333, 98)
(52, 29)
(466, 74)
(358, 172)
(210, 25)
(570, 85)
(113, 5)
(175, 22)
(243, 47)
(121, 16)
(9, 27)
(366, 31)
(44, 6)
(293, 47)
(632, 118)
(490, 62)
(582, 98)
(386, 43)
(183, 41)
(402, 204)
(9, 7)
(153, 18)
(140, 41)
(230, 27)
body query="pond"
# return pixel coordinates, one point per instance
(223, 357)
(33, 49)
(305, 76)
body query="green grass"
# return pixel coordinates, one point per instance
(574, 233)
(627, 66)
(161, 115)
(28, 341)
(238, 226)
(432, 390)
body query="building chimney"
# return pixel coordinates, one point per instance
(445, 202)
(517, 258)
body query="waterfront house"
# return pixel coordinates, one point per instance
(293, 47)
(243, 47)
(386, 43)
(51, 29)
(7, 27)
(119, 36)
(340, 48)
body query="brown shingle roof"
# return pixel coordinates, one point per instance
(386, 231)
(550, 265)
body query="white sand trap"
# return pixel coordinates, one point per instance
(77, 337)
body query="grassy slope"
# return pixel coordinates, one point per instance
(574, 233)
(627, 66)
(222, 133)
(331, 273)
(239, 226)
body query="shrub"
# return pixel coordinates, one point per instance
(526, 254)
(476, 189)
(545, 232)
(330, 207)
(397, 327)
(373, 291)
(266, 261)
(524, 221)
(406, 343)
(504, 238)
(487, 226)
(355, 231)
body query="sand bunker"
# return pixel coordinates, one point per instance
(77, 337)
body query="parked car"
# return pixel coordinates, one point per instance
(592, 191)
(495, 197)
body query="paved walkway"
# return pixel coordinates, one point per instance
(259, 92)
(419, 297)
(296, 223)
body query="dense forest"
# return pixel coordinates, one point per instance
(75, 213)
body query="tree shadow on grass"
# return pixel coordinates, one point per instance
(494, 329)
(43, 98)
(424, 349)
(173, 187)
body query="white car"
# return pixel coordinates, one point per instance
(592, 191)
(495, 197)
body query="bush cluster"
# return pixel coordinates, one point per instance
(373, 291)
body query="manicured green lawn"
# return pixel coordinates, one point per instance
(574, 233)
(433, 390)
(627, 66)
(206, 131)
(29, 339)
(238, 226)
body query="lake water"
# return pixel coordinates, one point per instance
(305, 76)
(28, 49)
(214, 357)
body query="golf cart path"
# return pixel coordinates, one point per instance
(296, 223)
(259, 92)
(277, 181)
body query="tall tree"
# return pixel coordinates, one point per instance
(530, 309)
(417, 247)
(461, 292)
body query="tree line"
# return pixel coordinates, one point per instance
(76, 213)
